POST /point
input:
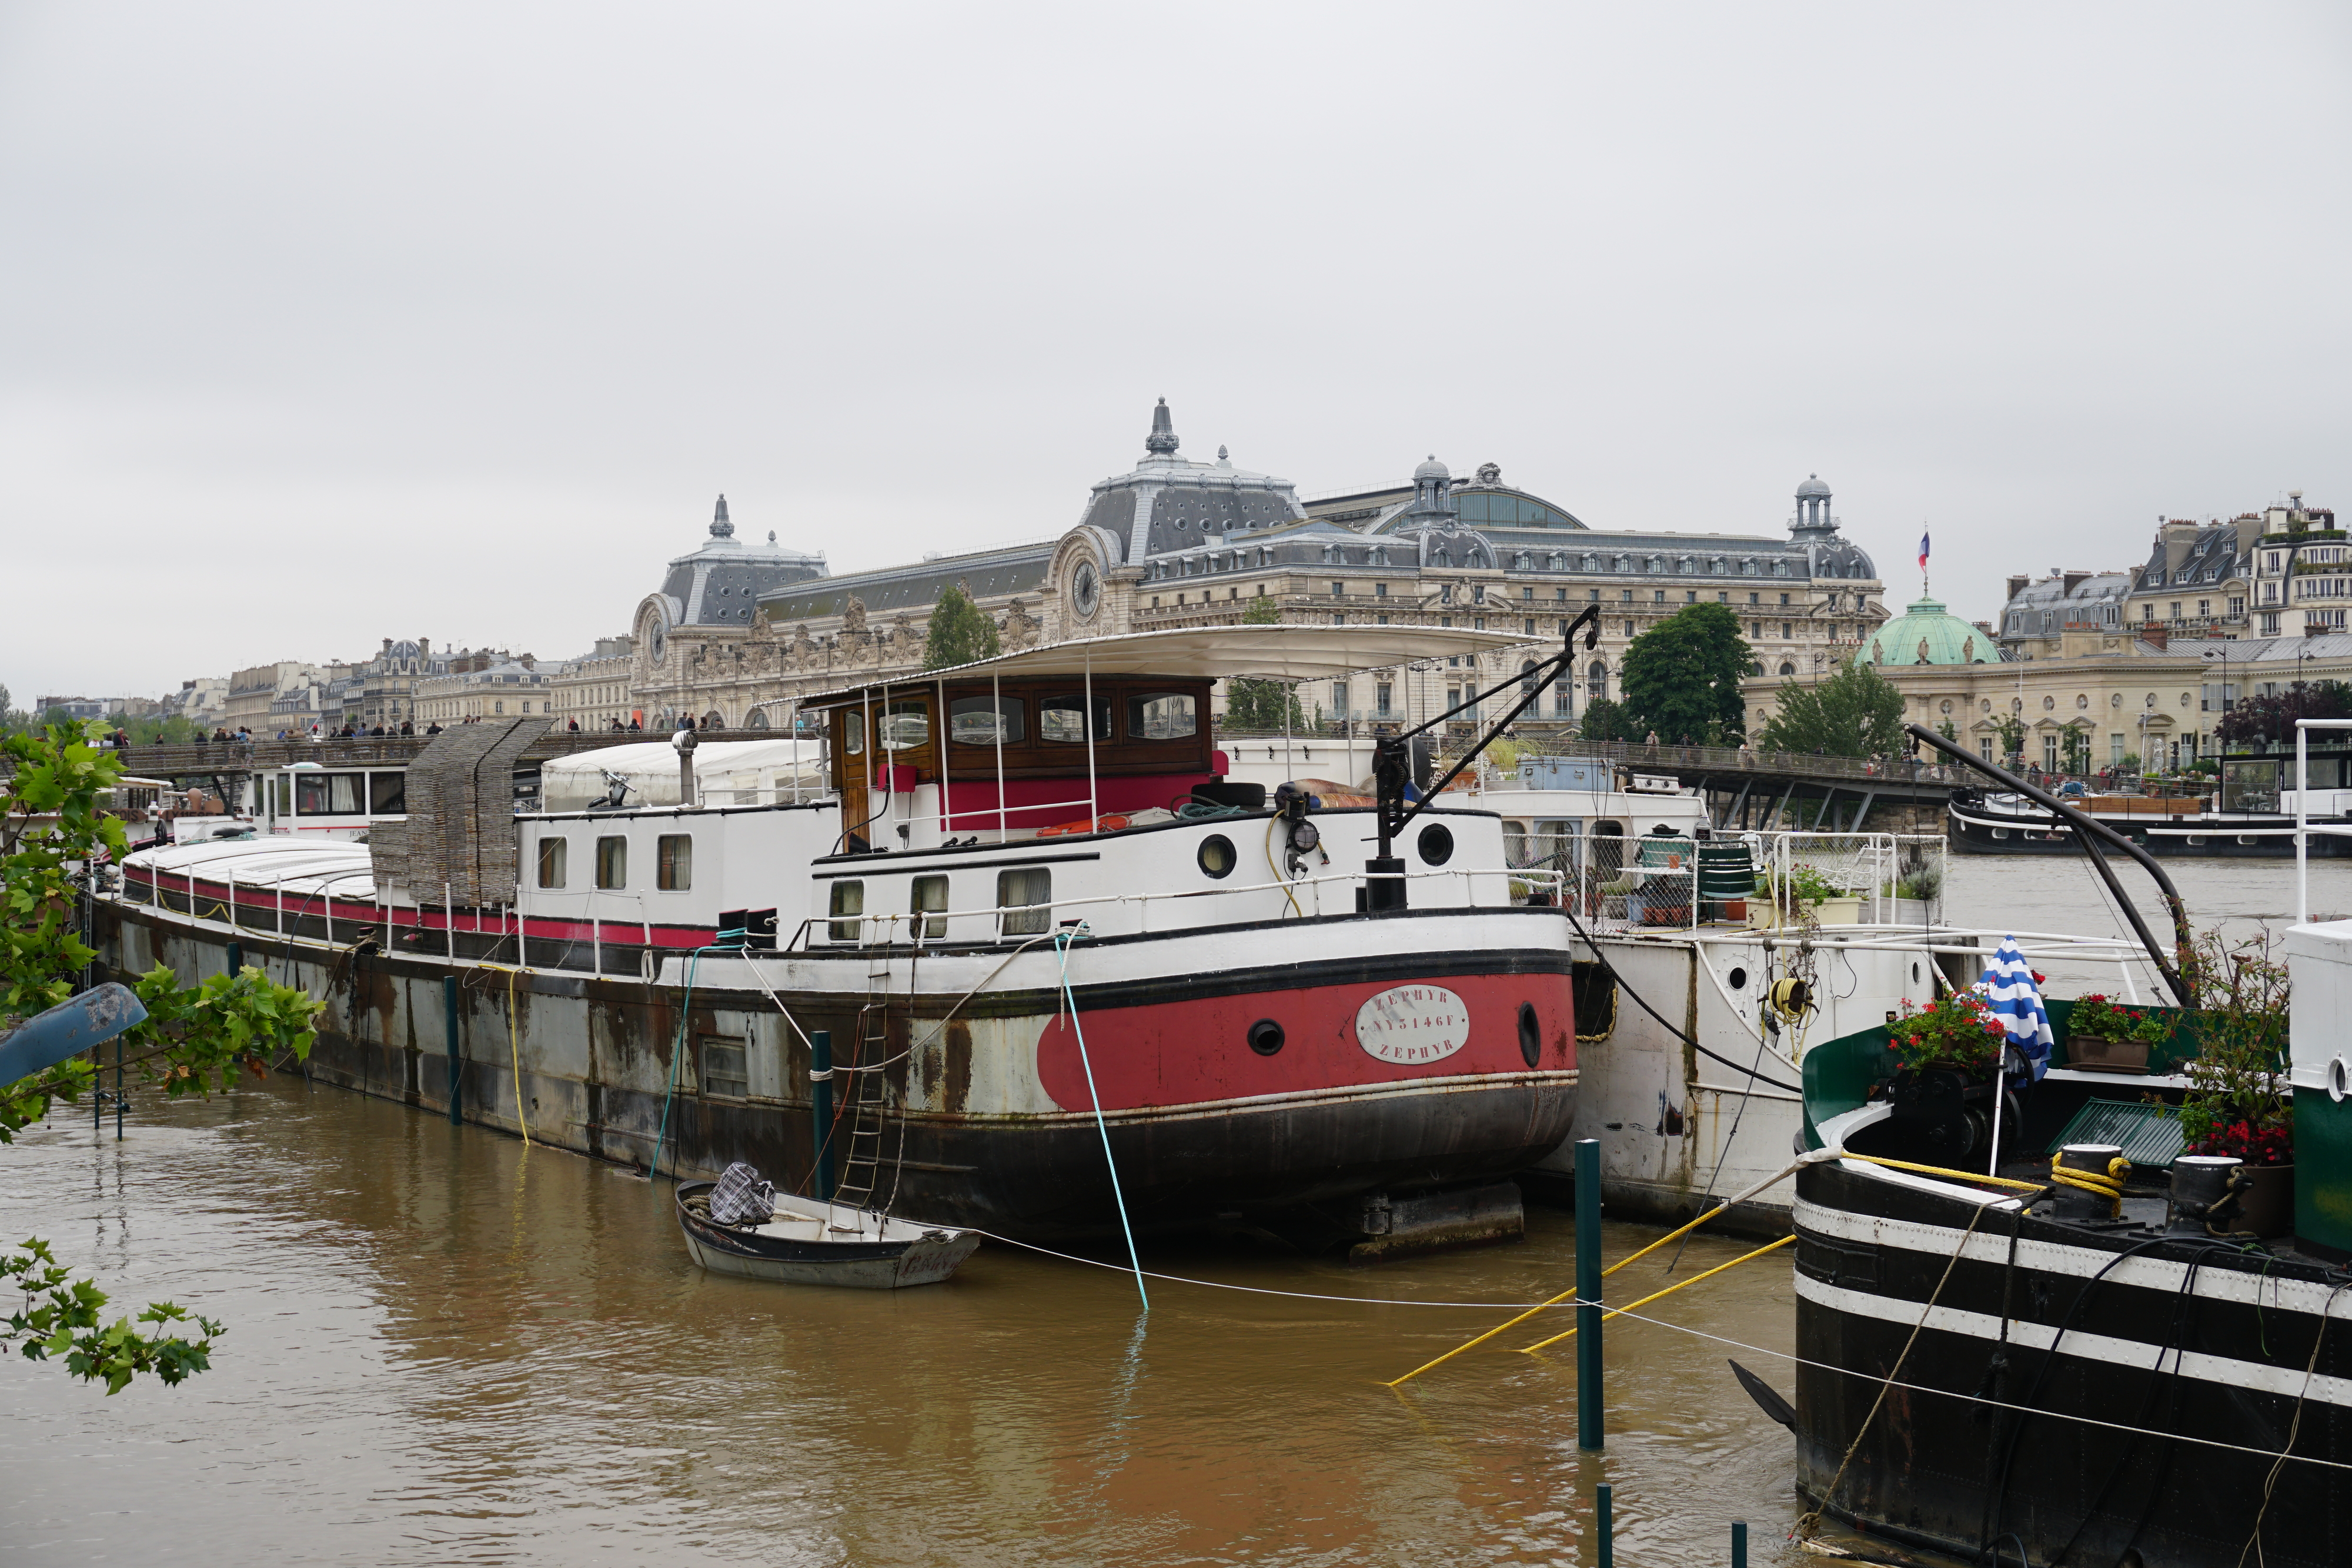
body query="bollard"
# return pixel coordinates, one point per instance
(821, 1109)
(449, 1038)
(236, 958)
(1604, 1530)
(1739, 1543)
(1588, 1296)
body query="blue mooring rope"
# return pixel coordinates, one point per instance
(676, 1049)
(1062, 940)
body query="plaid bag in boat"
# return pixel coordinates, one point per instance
(742, 1196)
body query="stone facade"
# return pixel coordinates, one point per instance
(1176, 542)
(593, 691)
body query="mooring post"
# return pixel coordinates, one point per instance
(449, 1038)
(1604, 1530)
(236, 958)
(1588, 1302)
(821, 1109)
(118, 1088)
(1739, 1543)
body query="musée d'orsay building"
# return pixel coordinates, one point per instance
(739, 631)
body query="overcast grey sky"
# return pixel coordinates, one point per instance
(325, 323)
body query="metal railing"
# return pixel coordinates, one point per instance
(1659, 883)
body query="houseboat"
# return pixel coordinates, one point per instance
(2088, 1346)
(2248, 811)
(1029, 916)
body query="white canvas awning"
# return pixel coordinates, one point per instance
(1222, 653)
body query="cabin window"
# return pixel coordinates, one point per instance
(1024, 902)
(674, 862)
(612, 863)
(387, 794)
(1063, 719)
(852, 733)
(930, 908)
(848, 902)
(1159, 715)
(329, 794)
(986, 721)
(285, 795)
(723, 1070)
(905, 726)
(552, 854)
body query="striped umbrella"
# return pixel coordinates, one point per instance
(2008, 989)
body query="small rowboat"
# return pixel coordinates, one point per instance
(812, 1243)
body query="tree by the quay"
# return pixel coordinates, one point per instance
(1605, 718)
(1682, 677)
(1263, 707)
(54, 835)
(958, 631)
(2271, 718)
(1855, 713)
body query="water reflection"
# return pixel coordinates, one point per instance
(445, 1347)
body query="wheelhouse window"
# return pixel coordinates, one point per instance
(1159, 715)
(329, 794)
(1063, 719)
(387, 794)
(674, 862)
(852, 733)
(553, 855)
(986, 721)
(929, 908)
(905, 726)
(612, 863)
(847, 903)
(1024, 901)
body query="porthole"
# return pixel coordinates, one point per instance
(1914, 973)
(2000, 832)
(1530, 1034)
(2339, 1080)
(1265, 1036)
(1217, 857)
(1436, 844)
(1738, 977)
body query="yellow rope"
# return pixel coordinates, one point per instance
(1944, 1171)
(1669, 1290)
(2109, 1187)
(1571, 1292)
(514, 1043)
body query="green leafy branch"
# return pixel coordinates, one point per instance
(61, 1316)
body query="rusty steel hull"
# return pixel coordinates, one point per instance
(992, 1120)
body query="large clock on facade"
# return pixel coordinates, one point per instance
(1086, 590)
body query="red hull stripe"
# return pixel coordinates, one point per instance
(1180, 1052)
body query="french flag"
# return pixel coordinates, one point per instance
(1923, 550)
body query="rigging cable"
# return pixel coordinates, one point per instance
(1675, 1031)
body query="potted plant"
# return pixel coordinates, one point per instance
(1946, 1055)
(2239, 1101)
(1802, 895)
(2107, 1037)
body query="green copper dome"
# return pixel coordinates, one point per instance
(1928, 634)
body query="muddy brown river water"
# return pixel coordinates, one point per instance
(446, 1348)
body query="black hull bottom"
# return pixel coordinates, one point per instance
(1963, 1477)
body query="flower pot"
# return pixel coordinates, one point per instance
(1730, 909)
(2268, 1207)
(1656, 914)
(2100, 1055)
(1838, 912)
